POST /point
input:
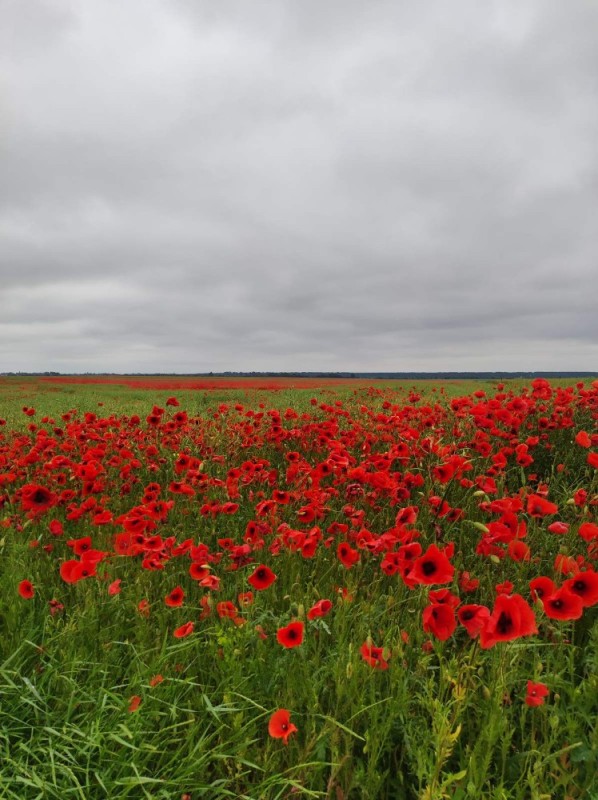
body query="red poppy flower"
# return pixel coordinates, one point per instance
(175, 598)
(55, 528)
(26, 590)
(261, 578)
(73, 571)
(143, 607)
(432, 567)
(539, 507)
(226, 609)
(504, 588)
(439, 619)
(245, 598)
(588, 531)
(583, 439)
(291, 635)
(155, 680)
(468, 584)
(134, 703)
(280, 725)
(114, 587)
(320, 609)
(585, 585)
(510, 619)
(36, 498)
(558, 527)
(184, 630)
(536, 692)
(443, 596)
(374, 656)
(473, 618)
(518, 550)
(347, 555)
(541, 587)
(563, 604)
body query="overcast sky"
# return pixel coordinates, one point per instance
(196, 185)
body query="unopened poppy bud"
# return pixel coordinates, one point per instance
(349, 670)
(487, 693)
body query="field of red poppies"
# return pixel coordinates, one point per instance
(333, 591)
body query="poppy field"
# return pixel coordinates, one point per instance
(283, 590)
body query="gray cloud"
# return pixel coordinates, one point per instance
(189, 186)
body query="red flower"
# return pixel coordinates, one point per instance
(536, 692)
(134, 703)
(144, 608)
(588, 531)
(261, 578)
(291, 636)
(468, 584)
(320, 609)
(36, 498)
(540, 507)
(432, 567)
(245, 598)
(347, 555)
(504, 588)
(226, 609)
(73, 571)
(583, 439)
(473, 617)
(510, 619)
(280, 725)
(374, 656)
(541, 587)
(155, 680)
(585, 585)
(439, 619)
(443, 596)
(175, 598)
(563, 604)
(558, 527)
(518, 550)
(114, 587)
(184, 630)
(26, 590)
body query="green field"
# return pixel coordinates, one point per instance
(141, 657)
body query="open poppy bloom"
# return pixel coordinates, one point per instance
(473, 618)
(432, 567)
(280, 725)
(261, 578)
(26, 590)
(510, 619)
(175, 598)
(563, 604)
(536, 692)
(291, 636)
(374, 656)
(439, 619)
(585, 585)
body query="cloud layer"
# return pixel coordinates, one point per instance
(196, 186)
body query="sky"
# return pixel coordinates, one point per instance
(195, 186)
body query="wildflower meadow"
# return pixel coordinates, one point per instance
(267, 590)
